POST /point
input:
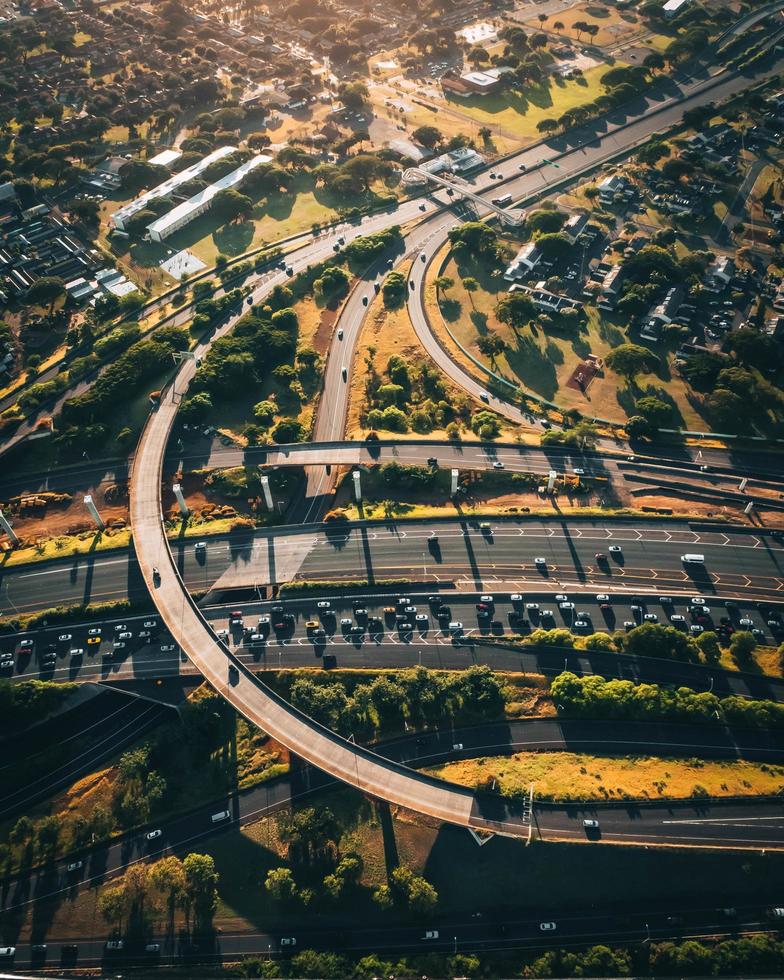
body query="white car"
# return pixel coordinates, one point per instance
(615, 549)
(532, 606)
(560, 597)
(539, 562)
(487, 598)
(421, 618)
(566, 605)
(651, 618)
(498, 465)
(677, 618)
(65, 637)
(697, 600)
(547, 926)
(602, 597)
(26, 644)
(144, 634)
(148, 624)
(76, 652)
(200, 546)
(431, 934)
(591, 824)
(346, 621)
(127, 635)
(119, 644)
(74, 866)
(578, 471)
(323, 604)
(153, 834)
(120, 628)
(695, 629)
(745, 621)
(95, 631)
(7, 952)
(515, 597)
(168, 647)
(288, 941)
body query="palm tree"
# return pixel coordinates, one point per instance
(444, 283)
(471, 286)
(558, 26)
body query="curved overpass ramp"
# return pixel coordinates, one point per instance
(347, 762)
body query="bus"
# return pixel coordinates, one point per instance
(503, 201)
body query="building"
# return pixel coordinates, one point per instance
(674, 7)
(165, 158)
(122, 216)
(459, 161)
(661, 315)
(200, 203)
(523, 264)
(720, 272)
(610, 186)
(475, 82)
(574, 227)
(546, 301)
(611, 287)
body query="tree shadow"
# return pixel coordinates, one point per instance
(531, 365)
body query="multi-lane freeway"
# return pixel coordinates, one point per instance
(739, 562)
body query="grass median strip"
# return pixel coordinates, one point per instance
(577, 776)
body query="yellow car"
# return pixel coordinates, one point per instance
(312, 624)
(93, 640)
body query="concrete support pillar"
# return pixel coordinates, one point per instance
(177, 491)
(749, 507)
(455, 474)
(7, 528)
(357, 486)
(742, 487)
(265, 489)
(89, 503)
(551, 481)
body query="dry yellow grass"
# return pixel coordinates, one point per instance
(570, 775)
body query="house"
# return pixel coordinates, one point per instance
(611, 286)
(774, 327)
(546, 301)
(661, 315)
(523, 263)
(720, 272)
(612, 185)
(575, 226)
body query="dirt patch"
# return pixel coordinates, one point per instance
(323, 335)
(584, 373)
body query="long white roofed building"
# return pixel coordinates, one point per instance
(122, 215)
(186, 212)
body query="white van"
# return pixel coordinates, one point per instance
(455, 626)
(218, 817)
(693, 559)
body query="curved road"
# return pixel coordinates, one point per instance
(364, 770)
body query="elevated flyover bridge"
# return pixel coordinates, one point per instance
(418, 175)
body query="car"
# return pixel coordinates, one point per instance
(521, 166)
(409, 610)
(403, 600)
(532, 606)
(127, 635)
(695, 629)
(697, 600)
(200, 546)
(120, 644)
(149, 624)
(578, 471)
(745, 621)
(486, 527)
(561, 597)
(65, 637)
(430, 934)
(120, 628)
(665, 600)
(602, 597)
(7, 952)
(483, 614)
(566, 605)
(324, 604)
(677, 618)
(546, 614)
(311, 624)
(96, 631)
(168, 647)
(651, 618)
(288, 941)
(344, 373)
(615, 549)
(515, 597)
(540, 562)
(75, 653)
(153, 834)
(547, 926)
(498, 465)
(731, 605)
(600, 556)
(74, 866)
(628, 624)
(93, 640)
(421, 618)
(38, 949)
(153, 947)
(357, 630)
(484, 397)
(432, 539)
(591, 824)
(487, 599)
(365, 300)
(114, 945)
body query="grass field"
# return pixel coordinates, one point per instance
(570, 776)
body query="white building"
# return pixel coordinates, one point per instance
(197, 205)
(121, 217)
(524, 262)
(673, 7)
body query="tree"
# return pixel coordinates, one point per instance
(742, 646)
(708, 643)
(201, 885)
(654, 410)
(280, 885)
(443, 283)
(394, 289)
(168, 877)
(353, 94)
(515, 309)
(228, 205)
(548, 126)
(485, 133)
(629, 360)
(46, 290)
(653, 62)
(491, 345)
(471, 286)
(428, 136)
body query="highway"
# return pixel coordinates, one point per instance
(151, 655)
(742, 562)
